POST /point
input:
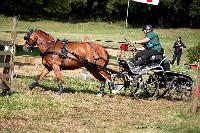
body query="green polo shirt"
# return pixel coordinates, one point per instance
(154, 42)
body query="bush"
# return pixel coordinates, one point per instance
(193, 54)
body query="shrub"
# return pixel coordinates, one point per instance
(193, 54)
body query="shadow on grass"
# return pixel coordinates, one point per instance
(67, 90)
(8, 93)
(54, 89)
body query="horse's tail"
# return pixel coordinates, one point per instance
(102, 53)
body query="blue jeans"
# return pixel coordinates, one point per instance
(176, 56)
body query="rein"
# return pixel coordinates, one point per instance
(95, 54)
(42, 54)
(92, 64)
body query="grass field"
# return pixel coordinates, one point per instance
(78, 109)
(90, 31)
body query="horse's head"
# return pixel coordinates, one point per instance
(36, 37)
(30, 41)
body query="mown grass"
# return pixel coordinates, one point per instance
(78, 109)
(90, 31)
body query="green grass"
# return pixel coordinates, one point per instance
(78, 109)
(91, 31)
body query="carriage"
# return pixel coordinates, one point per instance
(151, 80)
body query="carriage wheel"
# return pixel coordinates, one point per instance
(156, 86)
(179, 90)
(186, 93)
(152, 86)
(135, 90)
(119, 83)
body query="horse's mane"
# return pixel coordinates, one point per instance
(42, 32)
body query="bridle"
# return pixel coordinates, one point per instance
(28, 38)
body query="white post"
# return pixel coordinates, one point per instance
(126, 25)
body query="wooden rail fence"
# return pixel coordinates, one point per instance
(5, 76)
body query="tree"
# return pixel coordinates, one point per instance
(116, 9)
(21, 7)
(57, 8)
(195, 13)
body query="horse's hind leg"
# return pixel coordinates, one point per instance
(44, 72)
(110, 83)
(56, 69)
(102, 79)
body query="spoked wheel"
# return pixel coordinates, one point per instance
(143, 86)
(155, 86)
(136, 89)
(120, 82)
(151, 85)
(179, 90)
(133, 90)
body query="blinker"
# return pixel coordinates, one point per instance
(25, 37)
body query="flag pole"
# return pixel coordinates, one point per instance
(126, 25)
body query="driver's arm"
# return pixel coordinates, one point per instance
(145, 40)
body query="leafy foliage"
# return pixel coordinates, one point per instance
(57, 7)
(193, 54)
(195, 11)
(168, 13)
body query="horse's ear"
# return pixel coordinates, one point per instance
(57, 40)
(30, 29)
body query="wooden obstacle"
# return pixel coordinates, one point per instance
(7, 71)
(8, 64)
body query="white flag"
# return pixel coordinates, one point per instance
(154, 2)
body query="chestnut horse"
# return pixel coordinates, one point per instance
(63, 55)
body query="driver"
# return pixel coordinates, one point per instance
(151, 46)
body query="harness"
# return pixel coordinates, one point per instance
(95, 54)
(64, 54)
(64, 51)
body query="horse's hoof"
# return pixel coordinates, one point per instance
(115, 91)
(32, 85)
(100, 95)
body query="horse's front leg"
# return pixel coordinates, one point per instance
(44, 72)
(56, 69)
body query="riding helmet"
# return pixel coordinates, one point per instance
(147, 27)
